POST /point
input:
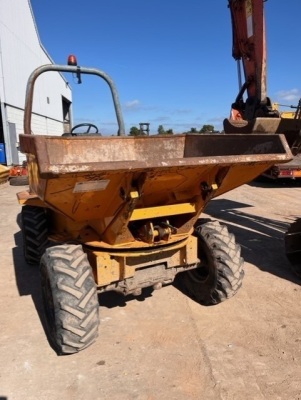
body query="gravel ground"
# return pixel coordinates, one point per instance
(163, 345)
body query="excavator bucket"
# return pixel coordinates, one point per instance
(289, 127)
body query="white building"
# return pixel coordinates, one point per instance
(20, 53)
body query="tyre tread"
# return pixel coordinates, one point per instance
(228, 265)
(35, 233)
(74, 297)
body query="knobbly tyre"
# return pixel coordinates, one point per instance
(123, 213)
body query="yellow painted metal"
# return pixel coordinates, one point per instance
(106, 268)
(112, 266)
(161, 211)
(284, 114)
(25, 198)
(4, 174)
(106, 192)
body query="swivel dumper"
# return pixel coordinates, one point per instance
(123, 213)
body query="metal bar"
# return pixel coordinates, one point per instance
(162, 211)
(73, 69)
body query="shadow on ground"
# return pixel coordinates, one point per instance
(114, 299)
(28, 281)
(261, 238)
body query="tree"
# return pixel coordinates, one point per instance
(169, 132)
(161, 130)
(207, 129)
(134, 131)
(193, 130)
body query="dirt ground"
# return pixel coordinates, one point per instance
(163, 345)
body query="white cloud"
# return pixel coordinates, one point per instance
(292, 95)
(181, 111)
(129, 105)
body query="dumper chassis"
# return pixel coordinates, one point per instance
(123, 213)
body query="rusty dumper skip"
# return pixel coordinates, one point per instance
(123, 213)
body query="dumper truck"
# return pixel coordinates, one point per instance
(123, 213)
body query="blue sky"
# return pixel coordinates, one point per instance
(171, 61)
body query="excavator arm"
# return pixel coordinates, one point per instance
(255, 114)
(249, 49)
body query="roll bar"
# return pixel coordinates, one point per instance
(73, 69)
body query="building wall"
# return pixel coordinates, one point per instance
(39, 124)
(20, 53)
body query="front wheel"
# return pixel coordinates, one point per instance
(70, 298)
(220, 272)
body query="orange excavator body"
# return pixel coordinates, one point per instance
(256, 114)
(249, 48)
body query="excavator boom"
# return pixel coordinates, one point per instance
(252, 110)
(249, 43)
(256, 114)
(249, 49)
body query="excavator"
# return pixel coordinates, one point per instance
(255, 113)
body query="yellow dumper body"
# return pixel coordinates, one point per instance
(125, 198)
(124, 213)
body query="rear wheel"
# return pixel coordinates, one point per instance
(220, 272)
(70, 298)
(35, 233)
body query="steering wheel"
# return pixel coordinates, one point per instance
(88, 125)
